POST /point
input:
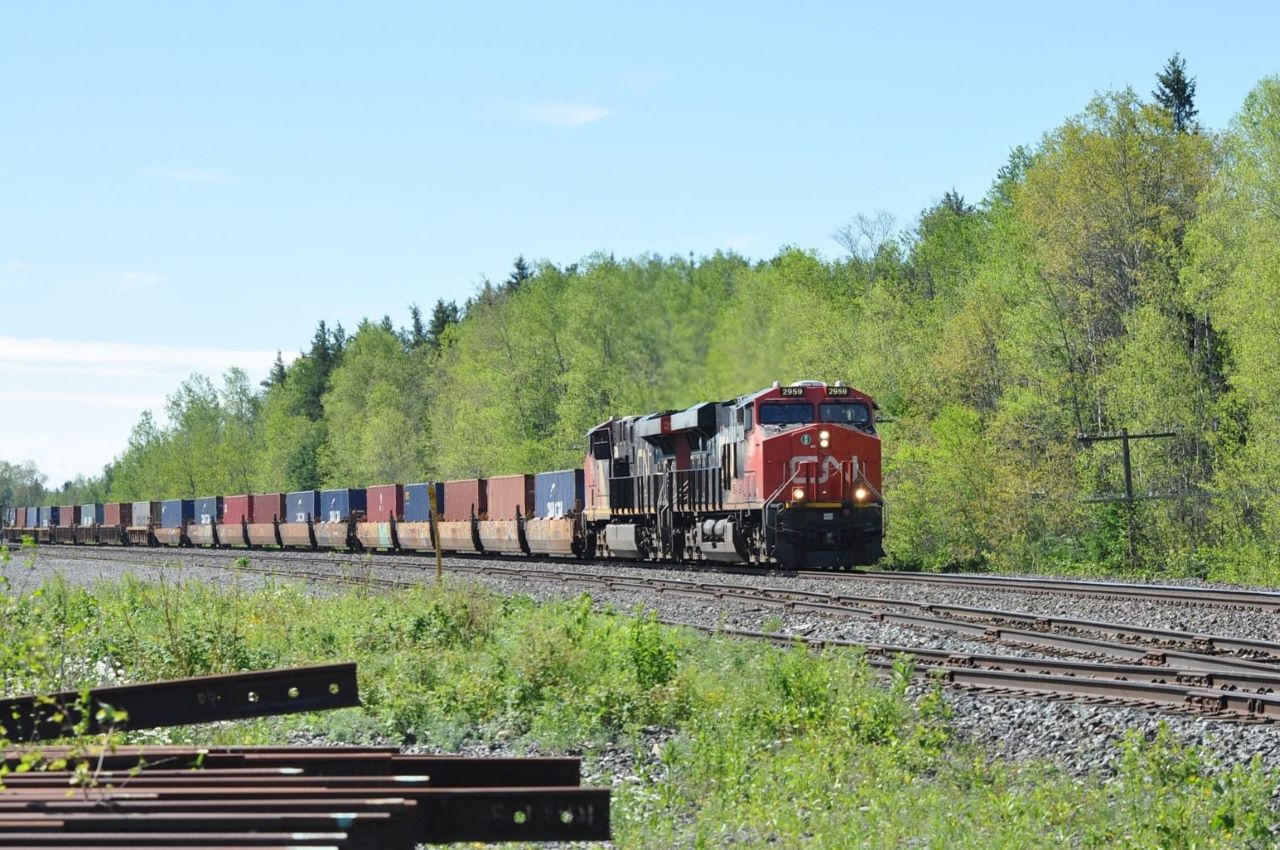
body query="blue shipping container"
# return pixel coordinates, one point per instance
(337, 505)
(49, 517)
(92, 515)
(302, 506)
(208, 510)
(33, 517)
(556, 494)
(417, 502)
(175, 512)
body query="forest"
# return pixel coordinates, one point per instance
(1121, 273)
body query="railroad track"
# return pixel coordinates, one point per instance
(1232, 598)
(1228, 678)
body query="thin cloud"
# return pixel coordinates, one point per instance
(91, 355)
(190, 175)
(562, 114)
(134, 280)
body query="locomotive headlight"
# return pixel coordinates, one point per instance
(860, 494)
(797, 495)
(824, 435)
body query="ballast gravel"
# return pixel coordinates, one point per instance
(1079, 737)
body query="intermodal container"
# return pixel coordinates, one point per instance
(145, 513)
(20, 518)
(118, 513)
(303, 505)
(237, 509)
(51, 517)
(384, 503)
(339, 505)
(267, 507)
(557, 494)
(465, 499)
(42, 518)
(208, 510)
(91, 515)
(33, 517)
(68, 516)
(510, 495)
(175, 512)
(417, 501)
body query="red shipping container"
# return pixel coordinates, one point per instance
(69, 516)
(22, 518)
(463, 499)
(267, 507)
(510, 495)
(236, 509)
(384, 503)
(117, 513)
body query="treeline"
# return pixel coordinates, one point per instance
(1124, 273)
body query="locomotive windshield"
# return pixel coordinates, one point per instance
(786, 413)
(845, 413)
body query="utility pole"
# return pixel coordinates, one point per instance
(1128, 497)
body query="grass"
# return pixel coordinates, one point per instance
(737, 744)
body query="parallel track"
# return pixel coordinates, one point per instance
(1223, 685)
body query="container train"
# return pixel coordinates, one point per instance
(788, 476)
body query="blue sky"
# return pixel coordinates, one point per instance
(187, 188)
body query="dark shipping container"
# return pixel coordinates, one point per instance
(91, 515)
(384, 503)
(464, 499)
(268, 507)
(145, 513)
(510, 495)
(557, 494)
(208, 510)
(303, 505)
(338, 505)
(175, 512)
(237, 509)
(417, 501)
(68, 516)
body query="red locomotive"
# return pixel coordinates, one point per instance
(789, 475)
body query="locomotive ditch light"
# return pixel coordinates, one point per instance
(797, 495)
(860, 494)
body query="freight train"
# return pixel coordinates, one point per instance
(787, 476)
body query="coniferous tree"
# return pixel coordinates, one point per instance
(1176, 92)
(520, 272)
(278, 373)
(444, 314)
(416, 337)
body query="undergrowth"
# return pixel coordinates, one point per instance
(731, 743)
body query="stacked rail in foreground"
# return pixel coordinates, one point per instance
(300, 797)
(351, 797)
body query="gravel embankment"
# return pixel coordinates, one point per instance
(1080, 737)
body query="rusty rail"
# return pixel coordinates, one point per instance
(182, 701)
(339, 797)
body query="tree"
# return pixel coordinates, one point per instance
(278, 373)
(416, 336)
(444, 314)
(519, 274)
(1176, 93)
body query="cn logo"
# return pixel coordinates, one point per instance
(829, 465)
